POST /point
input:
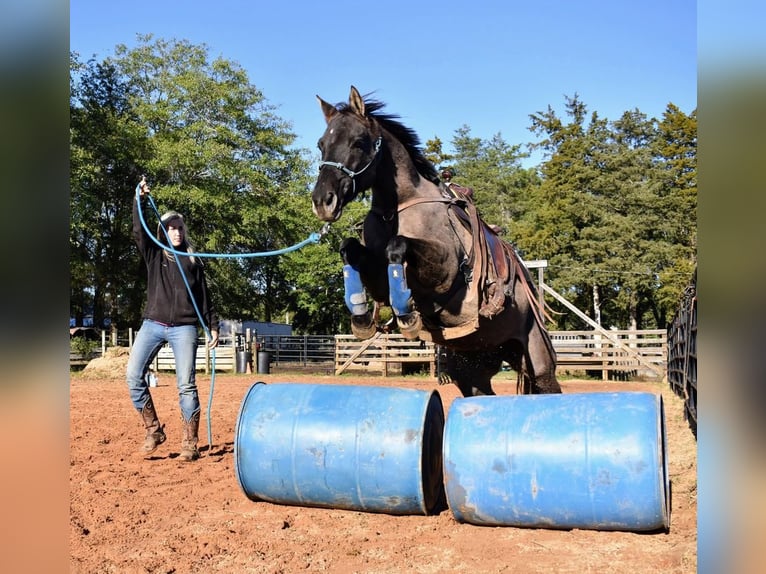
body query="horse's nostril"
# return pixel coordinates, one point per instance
(330, 199)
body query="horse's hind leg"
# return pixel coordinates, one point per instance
(472, 371)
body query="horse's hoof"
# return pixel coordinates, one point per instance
(362, 326)
(410, 325)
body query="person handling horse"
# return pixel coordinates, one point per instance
(461, 192)
(169, 316)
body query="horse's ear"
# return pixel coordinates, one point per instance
(327, 109)
(356, 102)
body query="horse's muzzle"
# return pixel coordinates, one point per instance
(328, 204)
(325, 211)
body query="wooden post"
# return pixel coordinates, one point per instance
(604, 364)
(384, 356)
(234, 347)
(540, 265)
(248, 348)
(432, 362)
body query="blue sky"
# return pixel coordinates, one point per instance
(440, 65)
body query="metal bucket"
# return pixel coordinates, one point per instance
(374, 449)
(586, 460)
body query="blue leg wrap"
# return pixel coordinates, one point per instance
(397, 287)
(356, 297)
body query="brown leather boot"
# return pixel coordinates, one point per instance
(155, 435)
(189, 450)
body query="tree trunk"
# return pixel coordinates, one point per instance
(597, 319)
(633, 312)
(596, 305)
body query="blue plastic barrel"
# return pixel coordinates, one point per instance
(585, 460)
(374, 449)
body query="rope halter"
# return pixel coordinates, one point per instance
(350, 173)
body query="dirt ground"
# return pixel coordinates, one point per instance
(128, 514)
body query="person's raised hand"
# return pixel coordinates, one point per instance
(143, 186)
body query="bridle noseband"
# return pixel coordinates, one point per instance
(353, 174)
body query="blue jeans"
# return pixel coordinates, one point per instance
(149, 339)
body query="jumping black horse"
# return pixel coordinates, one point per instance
(426, 253)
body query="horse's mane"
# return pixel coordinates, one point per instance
(406, 136)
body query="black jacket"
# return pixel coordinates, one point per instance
(167, 299)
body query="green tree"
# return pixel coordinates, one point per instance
(212, 148)
(221, 157)
(567, 201)
(493, 169)
(649, 254)
(603, 214)
(434, 152)
(628, 235)
(106, 143)
(675, 149)
(612, 206)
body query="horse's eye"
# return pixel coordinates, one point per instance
(362, 144)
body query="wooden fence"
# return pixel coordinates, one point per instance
(299, 351)
(225, 359)
(386, 354)
(620, 354)
(225, 356)
(610, 354)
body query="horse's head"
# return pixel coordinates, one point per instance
(350, 147)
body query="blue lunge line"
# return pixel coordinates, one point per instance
(313, 238)
(208, 335)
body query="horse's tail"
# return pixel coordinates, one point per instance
(538, 309)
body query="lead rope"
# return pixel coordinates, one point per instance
(313, 238)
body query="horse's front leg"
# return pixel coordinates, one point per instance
(407, 317)
(356, 259)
